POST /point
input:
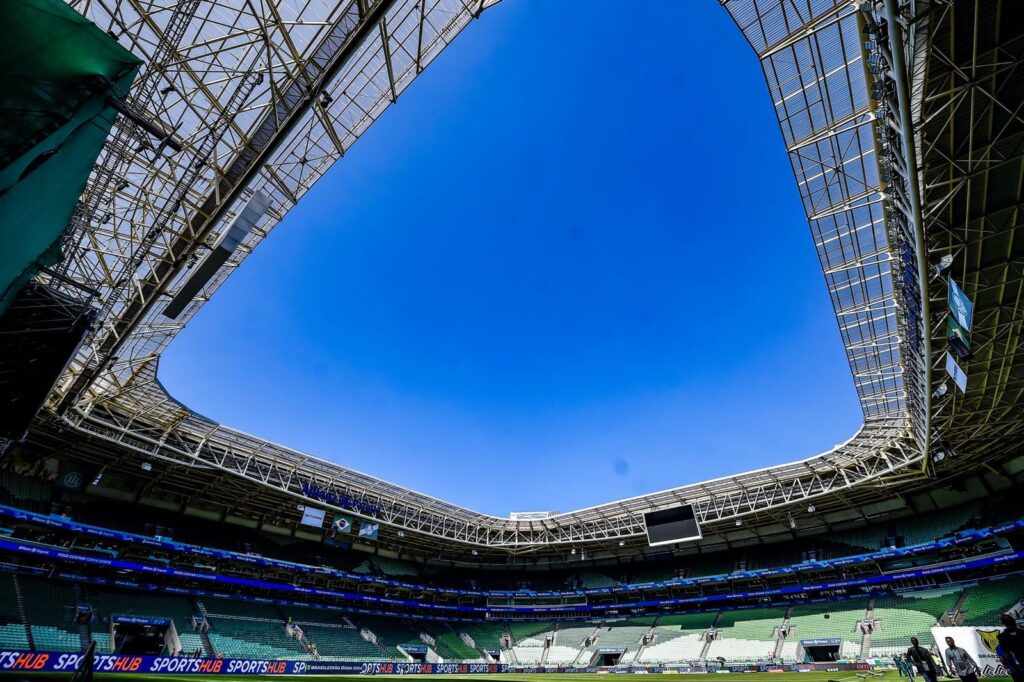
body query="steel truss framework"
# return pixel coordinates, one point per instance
(969, 112)
(267, 94)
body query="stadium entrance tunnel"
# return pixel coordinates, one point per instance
(821, 651)
(608, 657)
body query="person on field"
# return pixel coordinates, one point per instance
(903, 667)
(960, 663)
(919, 657)
(1011, 645)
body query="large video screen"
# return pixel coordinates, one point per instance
(668, 526)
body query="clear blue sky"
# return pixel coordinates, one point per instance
(569, 266)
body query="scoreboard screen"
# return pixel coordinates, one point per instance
(669, 526)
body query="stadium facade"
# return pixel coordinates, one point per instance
(903, 125)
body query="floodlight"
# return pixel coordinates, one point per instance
(941, 390)
(944, 263)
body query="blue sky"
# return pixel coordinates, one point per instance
(569, 266)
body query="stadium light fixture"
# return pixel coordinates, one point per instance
(941, 390)
(939, 456)
(739, 522)
(792, 522)
(944, 263)
(811, 509)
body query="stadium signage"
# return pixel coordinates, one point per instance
(24, 547)
(887, 553)
(960, 305)
(342, 500)
(980, 642)
(821, 641)
(140, 620)
(44, 661)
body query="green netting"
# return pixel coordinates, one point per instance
(57, 73)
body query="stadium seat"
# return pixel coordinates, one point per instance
(486, 635)
(109, 603)
(985, 602)
(392, 633)
(13, 637)
(451, 648)
(746, 635)
(50, 606)
(809, 622)
(529, 640)
(12, 630)
(250, 630)
(677, 638)
(911, 614)
(338, 643)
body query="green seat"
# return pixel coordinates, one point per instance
(985, 602)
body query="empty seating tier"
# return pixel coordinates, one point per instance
(912, 614)
(986, 601)
(51, 607)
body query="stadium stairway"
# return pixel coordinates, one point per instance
(902, 616)
(241, 629)
(483, 635)
(392, 636)
(152, 604)
(865, 642)
(451, 641)
(983, 603)
(680, 637)
(510, 650)
(830, 620)
(780, 640)
(746, 634)
(593, 635)
(531, 641)
(567, 642)
(625, 633)
(204, 637)
(84, 635)
(952, 616)
(49, 602)
(644, 639)
(450, 647)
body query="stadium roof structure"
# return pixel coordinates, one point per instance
(903, 125)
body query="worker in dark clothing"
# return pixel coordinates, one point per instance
(922, 659)
(1011, 645)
